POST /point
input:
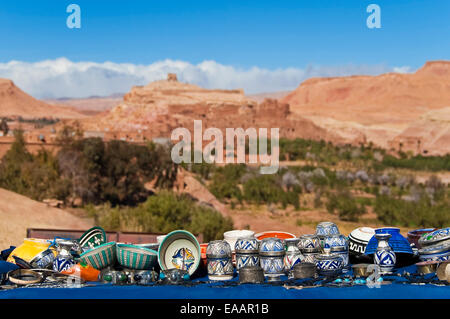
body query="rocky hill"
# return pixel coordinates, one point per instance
(379, 107)
(156, 109)
(14, 102)
(17, 213)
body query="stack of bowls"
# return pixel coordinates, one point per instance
(246, 252)
(435, 245)
(271, 252)
(329, 264)
(338, 245)
(293, 255)
(326, 229)
(438, 252)
(233, 235)
(309, 246)
(220, 266)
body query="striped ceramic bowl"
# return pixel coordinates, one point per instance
(101, 256)
(136, 257)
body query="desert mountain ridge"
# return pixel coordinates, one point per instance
(379, 107)
(156, 109)
(14, 103)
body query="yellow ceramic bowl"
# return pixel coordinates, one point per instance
(30, 248)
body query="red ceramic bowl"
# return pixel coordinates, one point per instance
(274, 233)
(414, 235)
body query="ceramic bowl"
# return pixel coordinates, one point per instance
(438, 252)
(44, 260)
(136, 257)
(358, 240)
(336, 241)
(271, 247)
(220, 266)
(324, 229)
(29, 249)
(414, 236)
(309, 243)
(274, 234)
(218, 249)
(435, 237)
(203, 261)
(94, 237)
(427, 267)
(101, 256)
(246, 245)
(329, 264)
(180, 250)
(398, 243)
(233, 235)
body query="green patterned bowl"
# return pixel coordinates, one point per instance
(136, 257)
(93, 237)
(101, 256)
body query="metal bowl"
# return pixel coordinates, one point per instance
(427, 267)
(251, 275)
(361, 270)
(305, 270)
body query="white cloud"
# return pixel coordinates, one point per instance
(64, 78)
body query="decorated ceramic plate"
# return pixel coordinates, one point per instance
(181, 250)
(435, 237)
(275, 234)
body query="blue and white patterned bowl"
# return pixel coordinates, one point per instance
(336, 241)
(136, 257)
(327, 229)
(309, 242)
(438, 252)
(271, 247)
(398, 243)
(247, 245)
(329, 264)
(101, 256)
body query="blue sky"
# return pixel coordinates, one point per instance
(242, 34)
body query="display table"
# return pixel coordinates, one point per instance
(200, 288)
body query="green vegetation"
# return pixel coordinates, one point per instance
(348, 208)
(163, 213)
(421, 213)
(90, 170)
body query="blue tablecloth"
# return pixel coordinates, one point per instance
(398, 289)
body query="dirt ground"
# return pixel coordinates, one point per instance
(17, 213)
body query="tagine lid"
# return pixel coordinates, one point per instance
(435, 236)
